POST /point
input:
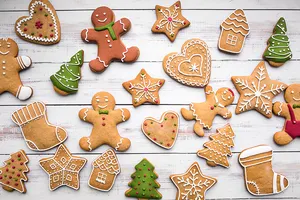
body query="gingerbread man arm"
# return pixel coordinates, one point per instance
(225, 113)
(87, 115)
(89, 35)
(281, 109)
(121, 115)
(24, 62)
(209, 93)
(122, 26)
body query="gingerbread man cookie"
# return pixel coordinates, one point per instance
(204, 113)
(104, 119)
(106, 33)
(291, 112)
(11, 64)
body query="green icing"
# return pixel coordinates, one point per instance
(67, 78)
(109, 28)
(278, 44)
(143, 184)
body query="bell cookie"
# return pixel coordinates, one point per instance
(11, 65)
(192, 184)
(162, 132)
(107, 34)
(104, 119)
(169, 20)
(38, 132)
(205, 112)
(192, 66)
(257, 91)
(41, 26)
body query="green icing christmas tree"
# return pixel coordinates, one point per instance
(143, 184)
(278, 50)
(65, 81)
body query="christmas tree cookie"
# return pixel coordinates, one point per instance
(278, 50)
(65, 81)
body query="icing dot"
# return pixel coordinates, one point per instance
(108, 41)
(110, 46)
(3, 67)
(106, 36)
(3, 73)
(3, 61)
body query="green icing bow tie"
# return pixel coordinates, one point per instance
(105, 112)
(296, 105)
(109, 28)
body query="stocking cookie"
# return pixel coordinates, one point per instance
(260, 179)
(10, 66)
(291, 112)
(104, 119)
(38, 133)
(41, 26)
(107, 34)
(204, 113)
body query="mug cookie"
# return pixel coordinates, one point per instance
(190, 67)
(10, 66)
(107, 34)
(41, 26)
(104, 119)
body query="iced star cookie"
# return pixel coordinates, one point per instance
(257, 91)
(192, 66)
(144, 88)
(169, 20)
(41, 26)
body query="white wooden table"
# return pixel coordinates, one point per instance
(205, 16)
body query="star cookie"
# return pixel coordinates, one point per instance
(144, 88)
(257, 91)
(63, 168)
(169, 20)
(192, 184)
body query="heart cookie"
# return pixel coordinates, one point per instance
(190, 67)
(41, 26)
(162, 132)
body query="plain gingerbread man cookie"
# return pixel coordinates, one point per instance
(104, 119)
(106, 33)
(10, 66)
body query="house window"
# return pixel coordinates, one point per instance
(101, 178)
(231, 39)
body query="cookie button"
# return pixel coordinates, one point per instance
(3, 67)
(110, 46)
(108, 41)
(106, 36)
(3, 62)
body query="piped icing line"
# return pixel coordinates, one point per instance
(85, 114)
(18, 92)
(228, 29)
(280, 108)
(21, 64)
(86, 35)
(123, 116)
(124, 56)
(237, 26)
(89, 142)
(105, 65)
(123, 25)
(198, 119)
(118, 145)
(239, 20)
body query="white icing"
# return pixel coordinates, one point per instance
(103, 20)
(105, 65)
(4, 53)
(275, 190)
(86, 35)
(189, 61)
(282, 183)
(102, 106)
(280, 108)
(85, 114)
(118, 145)
(198, 119)
(123, 25)
(295, 99)
(24, 92)
(24, 61)
(255, 151)
(89, 142)
(123, 116)
(124, 56)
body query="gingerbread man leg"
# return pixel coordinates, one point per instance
(20, 91)
(90, 143)
(121, 144)
(100, 63)
(198, 128)
(282, 138)
(187, 114)
(130, 55)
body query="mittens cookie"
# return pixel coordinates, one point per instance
(291, 112)
(105, 170)
(234, 31)
(144, 88)
(169, 20)
(190, 67)
(104, 119)
(38, 133)
(13, 173)
(63, 168)
(257, 91)
(41, 26)
(11, 65)
(66, 80)
(107, 34)
(278, 50)
(162, 132)
(204, 113)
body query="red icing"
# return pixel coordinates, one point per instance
(16, 184)
(161, 125)
(50, 25)
(170, 19)
(212, 107)
(25, 29)
(231, 91)
(145, 89)
(41, 9)
(148, 169)
(103, 124)
(145, 124)
(1, 177)
(19, 155)
(156, 101)
(7, 182)
(10, 177)
(40, 35)
(157, 27)
(168, 144)
(292, 127)
(51, 35)
(173, 131)
(12, 160)
(38, 25)
(18, 175)
(103, 118)
(13, 167)
(21, 163)
(154, 139)
(7, 170)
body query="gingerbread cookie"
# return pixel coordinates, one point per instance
(144, 184)
(104, 118)
(107, 34)
(217, 150)
(291, 112)
(204, 113)
(234, 31)
(38, 133)
(11, 65)
(41, 26)
(12, 174)
(192, 184)
(105, 170)
(144, 88)
(162, 132)
(190, 67)
(278, 50)
(169, 20)
(65, 81)
(257, 91)
(260, 179)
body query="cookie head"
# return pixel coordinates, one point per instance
(8, 47)
(292, 94)
(102, 16)
(103, 101)
(225, 96)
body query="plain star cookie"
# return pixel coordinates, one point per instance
(169, 20)
(41, 26)
(192, 66)
(257, 91)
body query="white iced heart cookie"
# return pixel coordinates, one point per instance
(192, 66)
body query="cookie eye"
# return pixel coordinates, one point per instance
(104, 13)
(292, 92)
(97, 15)
(225, 92)
(106, 100)
(98, 100)
(8, 46)
(229, 97)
